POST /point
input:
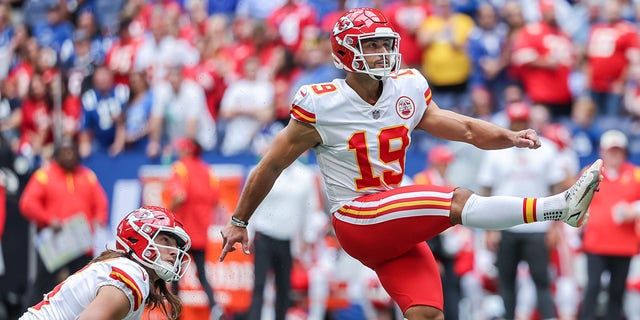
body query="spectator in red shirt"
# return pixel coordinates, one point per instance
(252, 39)
(214, 62)
(609, 239)
(59, 191)
(612, 48)
(192, 194)
(26, 54)
(121, 56)
(544, 56)
(407, 16)
(36, 124)
(285, 73)
(291, 22)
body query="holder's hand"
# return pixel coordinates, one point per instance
(231, 235)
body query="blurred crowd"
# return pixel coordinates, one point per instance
(136, 76)
(131, 76)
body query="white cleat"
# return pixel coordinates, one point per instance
(579, 196)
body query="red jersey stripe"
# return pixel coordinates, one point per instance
(394, 206)
(302, 115)
(119, 274)
(427, 95)
(365, 206)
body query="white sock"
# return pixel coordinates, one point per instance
(502, 212)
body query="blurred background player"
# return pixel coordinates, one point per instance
(502, 173)
(192, 193)
(610, 240)
(566, 257)
(55, 193)
(279, 228)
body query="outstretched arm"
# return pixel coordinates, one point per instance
(288, 145)
(446, 124)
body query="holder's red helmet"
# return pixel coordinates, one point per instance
(346, 41)
(136, 236)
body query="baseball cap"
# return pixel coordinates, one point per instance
(613, 139)
(440, 154)
(187, 145)
(517, 111)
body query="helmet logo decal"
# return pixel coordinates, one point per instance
(137, 234)
(342, 25)
(348, 41)
(405, 107)
(142, 214)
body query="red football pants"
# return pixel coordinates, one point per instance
(386, 231)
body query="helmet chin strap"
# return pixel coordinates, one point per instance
(376, 77)
(164, 270)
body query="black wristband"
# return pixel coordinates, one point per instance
(238, 223)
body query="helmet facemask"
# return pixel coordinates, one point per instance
(391, 59)
(151, 257)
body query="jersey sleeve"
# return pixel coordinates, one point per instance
(422, 86)
(302, 108)
(425, 88)
(129, 277)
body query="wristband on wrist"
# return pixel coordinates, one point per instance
(238, 223)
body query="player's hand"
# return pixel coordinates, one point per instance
(527, 138)
(230, 236)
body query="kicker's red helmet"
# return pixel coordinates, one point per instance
(136, 236)
(346, 41)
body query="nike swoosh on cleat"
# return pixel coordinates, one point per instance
(589, 187)
(575, 214)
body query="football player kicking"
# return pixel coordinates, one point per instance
(360, 129)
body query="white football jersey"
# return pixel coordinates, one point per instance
(363, 146)
(69, 298)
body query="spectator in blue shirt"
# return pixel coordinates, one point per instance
(486, 49)
(54, 30)
(226, 7)
(138, 112)
(35, 11)
(102, 122)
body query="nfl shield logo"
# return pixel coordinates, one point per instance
(375, 114)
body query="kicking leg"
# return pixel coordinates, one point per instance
(501, 212)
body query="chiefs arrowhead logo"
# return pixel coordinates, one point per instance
(405, 107)
(342, 25)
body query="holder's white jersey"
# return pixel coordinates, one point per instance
(69, 298)
(363, 146)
